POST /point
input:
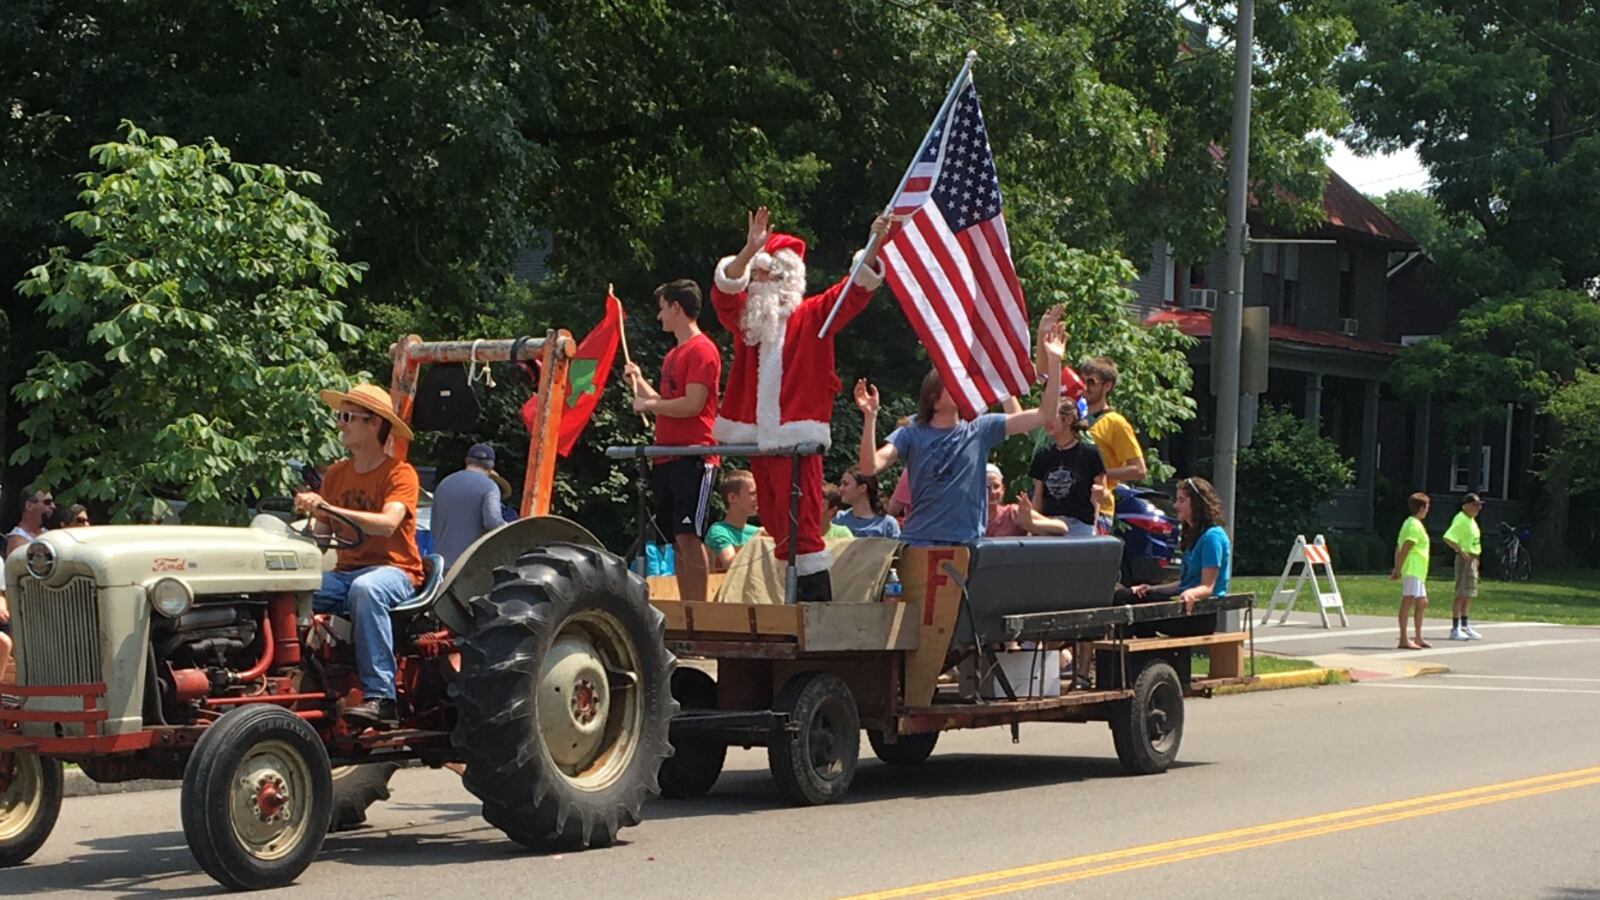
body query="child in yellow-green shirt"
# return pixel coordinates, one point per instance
(1411, 570)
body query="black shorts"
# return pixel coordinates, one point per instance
(682, 491)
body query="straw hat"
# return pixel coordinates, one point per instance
(372, 398)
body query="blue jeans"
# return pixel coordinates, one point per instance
(1077, 528)
(366, 596)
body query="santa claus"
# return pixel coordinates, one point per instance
(782, 383)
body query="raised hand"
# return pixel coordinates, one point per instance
(757, 228)
(880, 228)
(1053, 335)
(631, 373)
(866, 395)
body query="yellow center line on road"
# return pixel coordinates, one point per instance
(990, 883)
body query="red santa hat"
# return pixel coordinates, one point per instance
(779, 242)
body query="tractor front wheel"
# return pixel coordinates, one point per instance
(564, 698)
(31, 787)
(696, 763)
(257, 798)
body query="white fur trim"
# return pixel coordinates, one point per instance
(729, 285)
(769, 385)
(868, 278)
(727, 431)
(812, 563)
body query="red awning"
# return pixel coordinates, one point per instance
(1197, 323)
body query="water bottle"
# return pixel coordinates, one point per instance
(891, 588)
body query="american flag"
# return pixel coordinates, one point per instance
(948, 261)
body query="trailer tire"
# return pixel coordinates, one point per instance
(1148, 727)
(257, 798)
(563, 701)
(696, 764)
(29, 806)
(815, 761)
(355, 789)
(909, 750)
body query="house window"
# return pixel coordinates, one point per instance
(1461, 476)
(1347, 284)
(1269, 259)
(1197, 275)
(1288, 305)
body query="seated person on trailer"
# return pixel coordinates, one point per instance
(378, 493)
(1207, 552)
(946, 458)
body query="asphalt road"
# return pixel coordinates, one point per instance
(1485, 782)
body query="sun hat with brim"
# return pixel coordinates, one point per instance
(372, 398)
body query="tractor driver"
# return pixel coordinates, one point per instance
(378, 493)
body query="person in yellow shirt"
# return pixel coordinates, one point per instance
(1411, 569)
(1112, 433)
(1466, 540)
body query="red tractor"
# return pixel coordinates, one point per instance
(536, 663)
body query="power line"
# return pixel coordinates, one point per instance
(1541, 38)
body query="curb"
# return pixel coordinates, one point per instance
(1277, 681)
(77, 784)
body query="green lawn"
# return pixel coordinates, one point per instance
(1571, 597)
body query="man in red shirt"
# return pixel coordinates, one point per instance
(378, 493)
(685, 408)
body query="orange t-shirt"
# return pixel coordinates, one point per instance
(368, 492)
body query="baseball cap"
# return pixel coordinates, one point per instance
(482, 453)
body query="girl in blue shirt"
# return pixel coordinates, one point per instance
(1207, 552)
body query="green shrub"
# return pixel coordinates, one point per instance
(1288, 470)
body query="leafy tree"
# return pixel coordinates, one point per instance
(205, 301)
(1575, 407)
(1288, 470)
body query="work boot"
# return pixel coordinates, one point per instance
(814, 588)
(372, 712)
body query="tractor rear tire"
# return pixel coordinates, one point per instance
(696, 763)
(909, 750)
(29, 805)
(1148, 727)
(815, 763)
(564, 698)
(355, 789)
(257, 797)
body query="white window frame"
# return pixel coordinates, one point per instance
(1458, 468)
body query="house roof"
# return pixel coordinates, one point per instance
(1350, 212)
(1197, 324)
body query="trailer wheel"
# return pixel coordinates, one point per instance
(909, 750)
(257, 798)
(31, 788)
(815, 761)
(696, 763)
(563, 702)
(1148, 727)
(355, 789)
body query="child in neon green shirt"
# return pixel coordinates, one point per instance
(1411, 570)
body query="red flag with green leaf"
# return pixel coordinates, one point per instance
(587, 372)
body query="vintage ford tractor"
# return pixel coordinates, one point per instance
(536, 662)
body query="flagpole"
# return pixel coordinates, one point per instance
(622, 330)
(941, 116)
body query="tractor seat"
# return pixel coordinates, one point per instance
(424, 598)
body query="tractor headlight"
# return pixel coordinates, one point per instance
(41, 559)
(171, 597)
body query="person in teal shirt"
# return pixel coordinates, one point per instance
(1466, 540)
(1207, 559)
(1411, 570)
(724, 538)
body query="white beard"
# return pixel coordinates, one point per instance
(767, 307)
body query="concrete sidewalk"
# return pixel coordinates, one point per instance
(1368, 646)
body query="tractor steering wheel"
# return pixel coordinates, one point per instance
(333, 539)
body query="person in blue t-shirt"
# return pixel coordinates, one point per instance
(947, 458)
(1207, 553)
(863, 513)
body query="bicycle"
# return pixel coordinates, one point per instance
(1515, 563)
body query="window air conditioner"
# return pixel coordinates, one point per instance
(1201, 298)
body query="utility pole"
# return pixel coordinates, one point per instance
(1226, 327)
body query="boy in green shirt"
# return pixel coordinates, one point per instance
(1467, 541)
(723, 539)
(1411, 570)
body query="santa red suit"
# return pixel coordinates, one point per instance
(782, 383)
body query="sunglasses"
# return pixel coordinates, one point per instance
(47, 501)
(345, 418)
